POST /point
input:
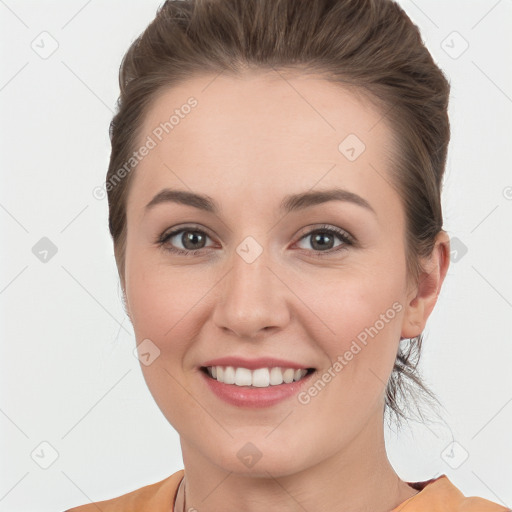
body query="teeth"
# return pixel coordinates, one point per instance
(229, 375)
(260, 378)
(243, 377)
(288, 375)
(276, 376)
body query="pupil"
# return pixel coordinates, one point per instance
(191, 237)
(318, 238)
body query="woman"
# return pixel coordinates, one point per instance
(274, 193)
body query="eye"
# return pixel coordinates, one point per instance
(191, 238)
(322, 240)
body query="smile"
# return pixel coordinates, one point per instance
(260, 392)
(259, 378)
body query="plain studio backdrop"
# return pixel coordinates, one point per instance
(77, 421)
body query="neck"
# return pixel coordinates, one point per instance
(356, 478)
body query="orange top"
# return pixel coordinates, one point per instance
(436, 495)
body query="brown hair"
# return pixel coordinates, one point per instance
(368, 44)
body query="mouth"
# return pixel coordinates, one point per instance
(258, 378)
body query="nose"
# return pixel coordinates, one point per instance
(252, 298)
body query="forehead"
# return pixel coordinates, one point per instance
(264, 134)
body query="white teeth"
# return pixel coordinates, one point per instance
(243, 377)
(229, 375)
(276, 376)
(260, 378)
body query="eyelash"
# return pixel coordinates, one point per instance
(346, 238)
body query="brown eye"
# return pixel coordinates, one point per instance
(184, 241)
(192, 240)
(323, 240)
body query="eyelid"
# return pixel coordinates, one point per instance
(346, 238)
(184, 227)
(307, 230)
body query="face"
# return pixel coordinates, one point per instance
(260, 272)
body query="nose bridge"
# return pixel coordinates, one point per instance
(252, 297)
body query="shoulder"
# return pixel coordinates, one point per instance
(474, 504)
(440, 494)
(471, 503)
(154, 497)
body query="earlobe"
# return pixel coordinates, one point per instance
(424, 296)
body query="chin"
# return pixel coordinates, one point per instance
(265, 469)
(259, 459)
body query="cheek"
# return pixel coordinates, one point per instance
(361, 316)
(165, 309)
(352, 302)
(165, 303)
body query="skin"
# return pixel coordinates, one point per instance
(250, 141)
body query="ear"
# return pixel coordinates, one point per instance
(423, 296)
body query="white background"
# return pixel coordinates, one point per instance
(68, 374)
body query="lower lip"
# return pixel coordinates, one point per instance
(253, 397)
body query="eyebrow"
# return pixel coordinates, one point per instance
(290, 203)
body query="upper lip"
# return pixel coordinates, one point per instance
(253, 364)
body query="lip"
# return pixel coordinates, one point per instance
(254, 364)
(253, 397)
